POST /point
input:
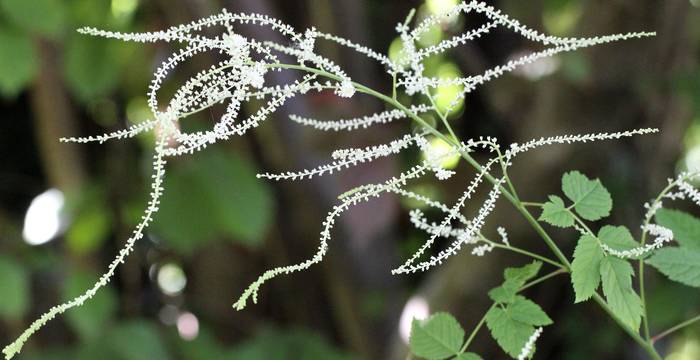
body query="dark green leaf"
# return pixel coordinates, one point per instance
(511, 335)
(14, 280)
(18, 62)
(528, 312)
(45, 17)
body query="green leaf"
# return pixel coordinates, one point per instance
(94, 316)
(45, 17)
(18, 62)
(616, 275)
(591, 200)
(555, 213)
(617, 237)
(468, 356)
(219, 196)
(137, 340)
(521, 275)
(438, 337)
(585, 269)
(510, 334)
(91, 66)
(528, 312)
(685, 227)
(515, 278)
(679, 264)
(14, 301)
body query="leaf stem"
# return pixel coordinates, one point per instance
(674, 328)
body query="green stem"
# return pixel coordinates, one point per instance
(483, 318)
(526, 253)
(646, 345)
(674, 329)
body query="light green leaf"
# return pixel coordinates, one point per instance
(91, 66)
(555, 213)
(591, 200)
(528, 312)
(505, 293)
(522, 274)
(438, 337)
(468, 356)
(616, 275)
(510, 334)
(14, 300)
(18, 62)
(45, 17)
(685, 227)
(585, 269)
(617, 237)
(219, 196)
(91, 321)
(679, 264)
(137, 340)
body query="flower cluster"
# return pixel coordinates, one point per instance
(242, 75)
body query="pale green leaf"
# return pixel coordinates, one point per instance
(18, 62)
(616, 275)
(585, 269)
(685, 227)
(679, 264)
(94, 316)
(510, 334)
(555, 212)
(504, 293)
(45, 17)
(438, 337)
(617, 237)
(591, 200)
(528, 312)
(14, 281)
(522, 274)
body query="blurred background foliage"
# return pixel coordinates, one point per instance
(66, 209)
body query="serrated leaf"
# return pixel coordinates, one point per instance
(468, 356)
(616, 275)
(617, 237)
(511, 335)
(438, 337)
(521, 275)
(685, 227)
(679, 264)
(18, 64)
(591, 200)
(585, 269)
(528, 312)
(504, 293)
(555, 212)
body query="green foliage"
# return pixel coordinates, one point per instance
(617, 238)
(44, 17)
(679, 264)
(685, 227)
(438, 337)
(94, 316)
(18, 62)
(91, 66)
(585, 269)
(616, 275)
(277, 344)
(14, 301)
(91, 222)
(513, 320)
(591, 200)
(137, 340)
(215, 195)
(555, 212)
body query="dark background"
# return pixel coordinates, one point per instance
(220, 227)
